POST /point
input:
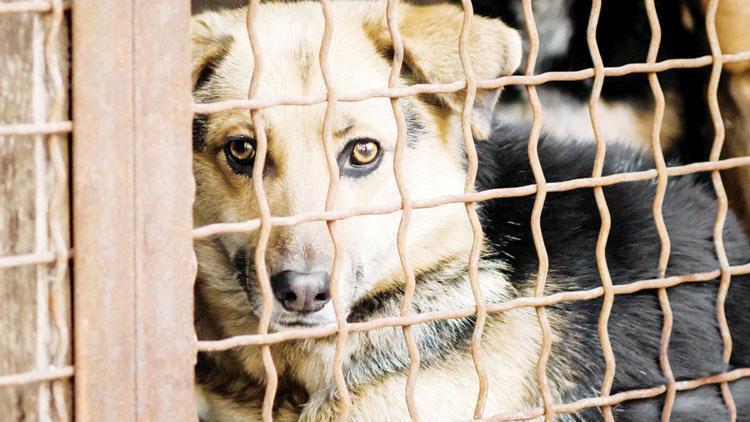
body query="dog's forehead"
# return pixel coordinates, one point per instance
(290, 42)
(290, 39)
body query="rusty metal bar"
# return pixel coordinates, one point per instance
(471, 207)
(601, 203)
(345, 405)
(28, 259)
(103, 219)
(134, 267)
(536, 214)
(30, 6)
(624, 396)
(417, 89)
(265, 215)
(661, 228)
(43, 128)
(41, 216)
(35, 377)
(164, 258)
(58, 214)
(721, 198)
(522, 302)
(485, 195)
(406, 205)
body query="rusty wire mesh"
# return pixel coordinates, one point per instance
(48, 132)
(539, 301)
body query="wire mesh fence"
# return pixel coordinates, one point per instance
(47, 132)
(661, 174)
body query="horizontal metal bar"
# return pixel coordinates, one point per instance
(413, 90)
(588, 182)
(49, 128)
(28, 259)
(624, 396)
(35, 376)
(31, 259)
(522, 302)
(29, 6)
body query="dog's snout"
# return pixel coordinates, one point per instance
(301, 292)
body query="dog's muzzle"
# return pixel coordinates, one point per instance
(301, 292)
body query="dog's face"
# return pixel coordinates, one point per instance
(296, 175)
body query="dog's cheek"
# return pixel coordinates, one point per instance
(377, 250)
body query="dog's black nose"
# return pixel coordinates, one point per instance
(301, 292)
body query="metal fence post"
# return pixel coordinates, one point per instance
(133, 195)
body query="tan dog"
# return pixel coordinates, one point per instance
(298, 178)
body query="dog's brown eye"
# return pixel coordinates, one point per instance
(240, 153)
(364, 152)
(360, 157)
(241, 149)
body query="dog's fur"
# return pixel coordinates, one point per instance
(370, 282)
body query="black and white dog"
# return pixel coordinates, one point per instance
(571, 223)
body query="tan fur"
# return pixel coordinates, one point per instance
(435, 59)
(732, 20)
(508, 349)
(296, 182)
(214, 407)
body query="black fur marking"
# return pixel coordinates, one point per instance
(238, 386)
(436, 340)
(241, 271)
(224, 377)
(570, 224)
(213, 62)
(239, 261)
(199, 132)
(205, 74)
(365, 308)
(414, 127)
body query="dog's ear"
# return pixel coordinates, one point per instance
(210, 44)
(431, 36)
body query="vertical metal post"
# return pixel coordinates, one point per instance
(133, 194)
